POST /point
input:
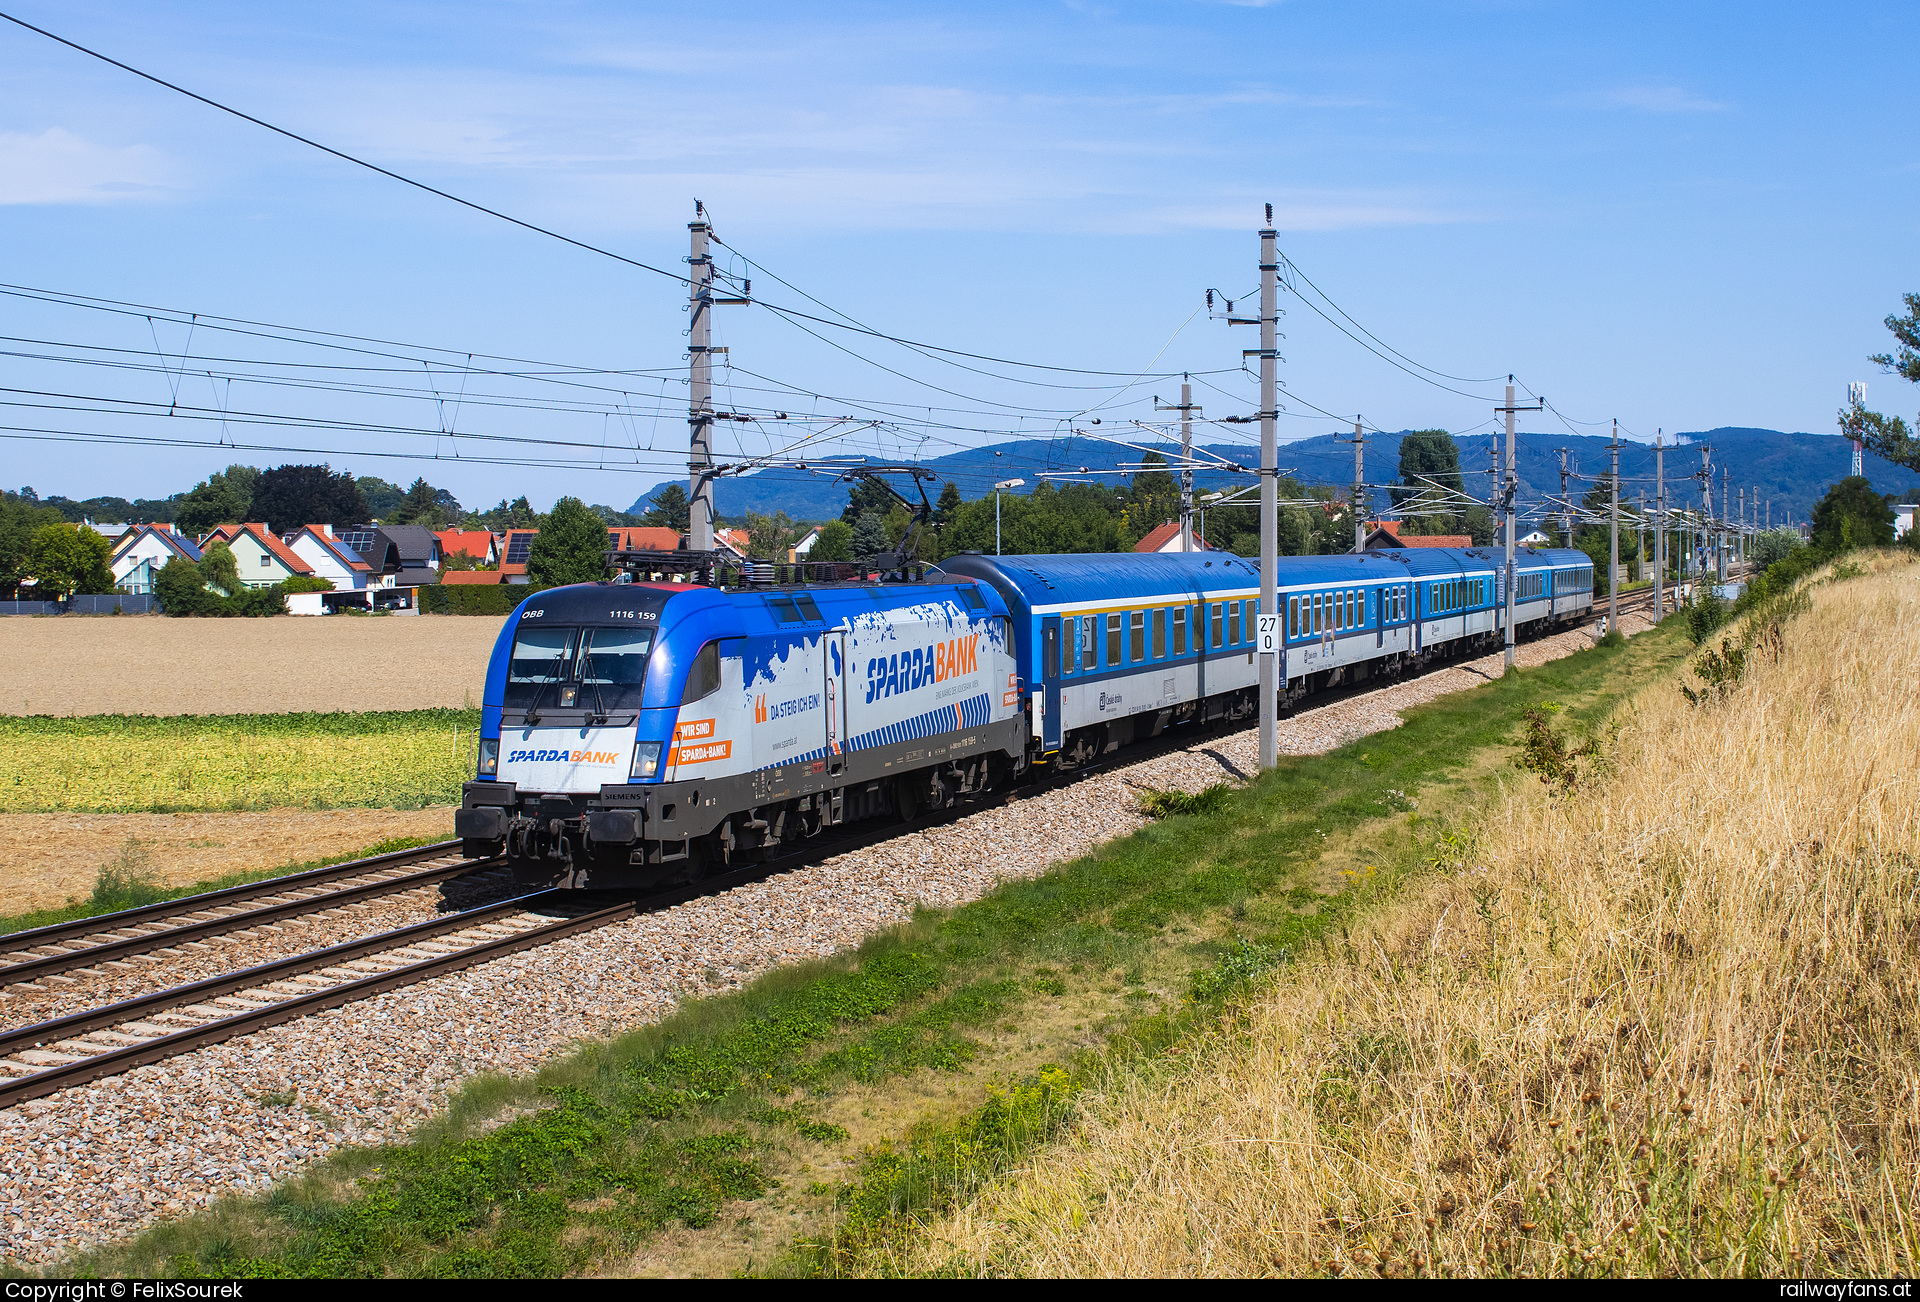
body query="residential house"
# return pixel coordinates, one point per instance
(1166, 538)
(481, 544)
(333, 560)
(262, 558)
(1384, 535)
(400, 558)
(1903, 519)
(513, 559)
(141, 554)
(735, 541)
(1538, 538)
(804, 544)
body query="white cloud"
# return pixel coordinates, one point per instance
(57, 166)
(1662, 99)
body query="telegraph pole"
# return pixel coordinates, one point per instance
(1507, 493)
(1613, 544)
(1269, 485)
(1186, 410)
(1721, 550)
(1359, 484)
(700, 400)
(1706, 510)
(1660, 529)
(700, 351)
(1566, 505)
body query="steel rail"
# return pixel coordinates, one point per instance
(128, 1010)
(32, 968)
(57, 1077)
(212, 899)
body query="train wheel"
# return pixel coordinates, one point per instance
(906, 799)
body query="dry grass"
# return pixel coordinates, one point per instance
(1661, 1025)
(149, 664)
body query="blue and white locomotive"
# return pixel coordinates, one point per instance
(643, 733)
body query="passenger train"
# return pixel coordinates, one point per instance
(644, 733)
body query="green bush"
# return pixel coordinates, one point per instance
(307, 583)
(475, 599)
(183, 591)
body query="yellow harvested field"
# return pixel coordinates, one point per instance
(150, 664)
(46, 859)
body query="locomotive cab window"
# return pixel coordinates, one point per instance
(613, 667)
(703, 676)
(542, 659)
(969, 594)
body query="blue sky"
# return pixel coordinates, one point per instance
(1683, 216)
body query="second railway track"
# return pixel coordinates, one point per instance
(27, 956)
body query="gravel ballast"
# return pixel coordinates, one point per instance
(95, 1163)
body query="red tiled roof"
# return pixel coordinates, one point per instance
(476, 543)
(265, 537)
(644, 538)
(458, 577)
(1391, 526)
(1437, 540)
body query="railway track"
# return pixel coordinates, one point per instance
(111, 938)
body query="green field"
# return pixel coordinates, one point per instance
(116, 763)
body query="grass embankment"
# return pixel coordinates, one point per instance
(931, 1058)
(125, 885)
(191, 763)
(1659, 1019)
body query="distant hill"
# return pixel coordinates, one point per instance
(1793, 470)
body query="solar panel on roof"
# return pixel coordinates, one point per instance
(361, 540)
(518, 545)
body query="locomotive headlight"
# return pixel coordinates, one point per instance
(489, 756)
(646, 760)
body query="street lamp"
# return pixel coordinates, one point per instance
(1005, 483)
(1205, 498)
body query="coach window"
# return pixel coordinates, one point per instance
(1159, 634)
(1137, 627)
(1180, 631)
(1113, 640)
(1219, 626)
(1233, 623)
(1089, 642)
(1068, 655)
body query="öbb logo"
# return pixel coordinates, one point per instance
(908, 670)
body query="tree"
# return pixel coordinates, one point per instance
(221, 498)
(1852, 515)
(1774, 545)
(181, 589)
(435, 508)
(519, 515)
(21, 516)
(949, 502)
(287, 497)
(383, 498)
(769, 536)
(670, 508)
(1594, 535)
(869, 537)
(65, 559)
(865, 495)
(1152, 499)
(835, 542)
(570, 547)
(1429, 466)
(1888, 436)
(219, 570)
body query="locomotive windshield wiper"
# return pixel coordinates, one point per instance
(533, 706)
(599, 714)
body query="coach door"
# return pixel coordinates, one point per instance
(834, 645)
(1050, 682)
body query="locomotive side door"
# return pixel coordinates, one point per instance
(833, 646)
(1050, 682)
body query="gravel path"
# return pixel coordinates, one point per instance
(95, 1163)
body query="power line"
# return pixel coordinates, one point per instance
(345, 157)
(1461, 379)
